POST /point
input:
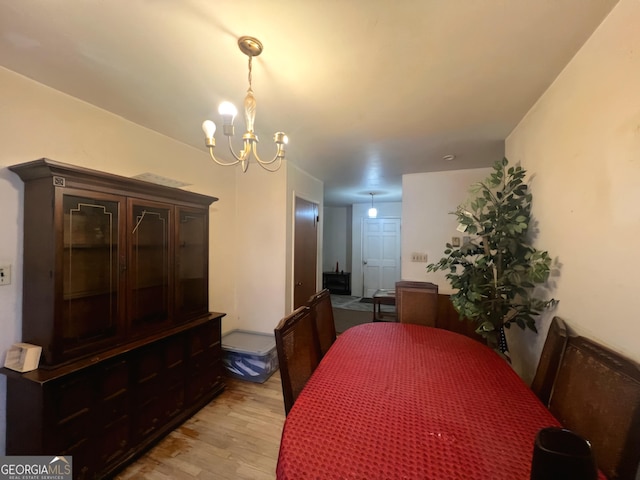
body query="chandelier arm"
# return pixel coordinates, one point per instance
(267, 162)
(244, 153)
(268, 168)
(224, 164)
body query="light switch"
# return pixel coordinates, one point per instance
(5, 274)
(419, 257)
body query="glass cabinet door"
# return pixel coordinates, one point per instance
(149, 265)
(90, 272)
(192, 263)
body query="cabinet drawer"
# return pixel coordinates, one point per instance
(84, 458)
(148, 418)
(149, 366)
(74, 430)
(174, 352)
(204, 337)
(175, 375)
(202, 361)
(113, 408)
(114, 439)
(72, 397)
(202, 381)
(174, 400)
(114, 379)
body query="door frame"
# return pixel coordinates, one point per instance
(318, 279)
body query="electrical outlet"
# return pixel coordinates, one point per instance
(5, 274)
(419, 257)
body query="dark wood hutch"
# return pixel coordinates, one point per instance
(116, 293)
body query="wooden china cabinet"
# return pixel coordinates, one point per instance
(116, 293)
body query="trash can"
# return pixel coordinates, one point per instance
(560, 454)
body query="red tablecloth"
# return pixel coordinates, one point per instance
(398, 401)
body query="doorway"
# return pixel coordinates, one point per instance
(305, 251)
(380, 254)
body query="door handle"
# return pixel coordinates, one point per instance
(364, 262)
(298, 284)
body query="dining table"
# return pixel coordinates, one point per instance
(403, 401)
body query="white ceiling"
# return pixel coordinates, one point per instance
(366, 90)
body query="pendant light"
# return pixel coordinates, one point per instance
(373, 211)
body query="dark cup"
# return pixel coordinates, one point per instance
(560, 454)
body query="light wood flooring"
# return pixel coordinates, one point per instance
(235, 437)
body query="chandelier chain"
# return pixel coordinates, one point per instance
(249, 76)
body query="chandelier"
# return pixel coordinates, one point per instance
(251, 47)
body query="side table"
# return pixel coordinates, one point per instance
(383, 297)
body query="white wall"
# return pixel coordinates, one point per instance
(580, 144)
(360, 211)
(427, 199)
(337, 237)
(75, 132)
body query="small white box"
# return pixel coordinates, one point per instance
(23, 357)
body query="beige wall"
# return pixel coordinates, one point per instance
(580, 144)
(258, 266)
(262, 266)
(427, 199)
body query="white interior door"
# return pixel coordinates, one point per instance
(380, 254)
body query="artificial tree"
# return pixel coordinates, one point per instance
(496, 270)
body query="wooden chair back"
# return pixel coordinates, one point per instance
(597, 395)
(449, 319)
(322, 314)
(417, 302)
(552, 352)
(298, 354)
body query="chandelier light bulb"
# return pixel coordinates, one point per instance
(280, 137)
(228, 111)
(209, 128)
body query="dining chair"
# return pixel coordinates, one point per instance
(417, 302)
(449, 319)
(552, 352)
(322, 314)
(298, 352)
(597, 395)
